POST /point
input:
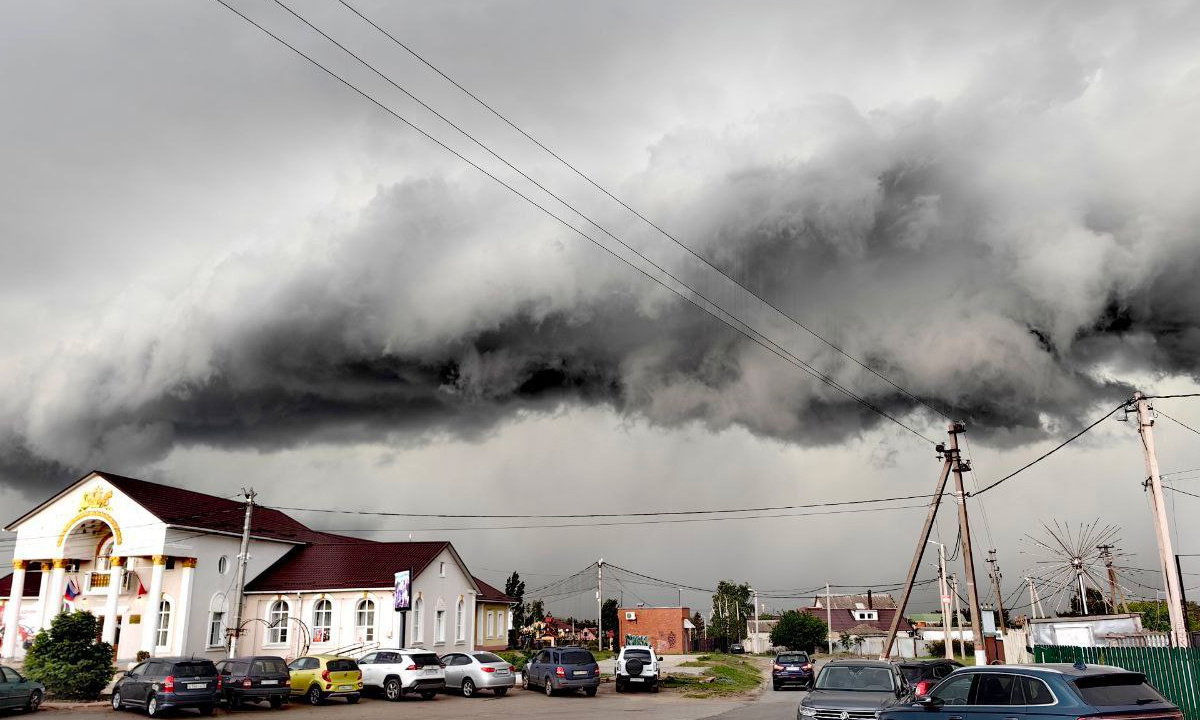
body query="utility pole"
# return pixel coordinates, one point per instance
(1107, 556)
(756, 648)
(1166, 552)
(996, 577)
(948, 641)
(600, 605)
(964, 529)
(934, 504)
(829, 619)
(239, 598)
(962, 640)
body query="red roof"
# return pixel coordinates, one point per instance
(487, 593)
(345, 565)
(844, 620)
(33, 584)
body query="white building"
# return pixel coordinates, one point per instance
(157, 564)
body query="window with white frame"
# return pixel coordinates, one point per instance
(322, 621)
(278, 616)
(418, 618)
(439, 626)
(216, 629)
(162, 634)
(491, 624)
(460, 620)
(501, 623)
(364, 620)
(104, 555)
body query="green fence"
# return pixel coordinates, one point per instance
(1174, 672)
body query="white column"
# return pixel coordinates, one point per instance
(153, 600)
(116, 574)
(44, 597)
(54, 591)
(12, 611)
(183, 609)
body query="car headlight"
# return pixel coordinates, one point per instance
(807, 711)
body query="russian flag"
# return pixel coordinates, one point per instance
(71, 592)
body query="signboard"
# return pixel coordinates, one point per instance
(402, 591)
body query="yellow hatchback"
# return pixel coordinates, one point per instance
(320, 677)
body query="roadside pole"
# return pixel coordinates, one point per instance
(948, 640)
(1166, 552)
(828, 619)
(756, 629)
(964, 529)
(600, 607)
(962, 640)
(996, 578)
(239, 597)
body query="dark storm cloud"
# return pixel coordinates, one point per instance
(1003, 251)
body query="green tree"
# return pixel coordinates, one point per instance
(698, 621)
(514, 587)
(537, 612)
(732, 606)
(69, 660)
(799, 631)
(609, 613)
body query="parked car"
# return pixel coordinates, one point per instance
(471, 672)
(162, 684)
(399, 672)
(637, 666)
(18, 691)
(792, 668)
(737, 649)
(924, 674)
(854, 690)
(562, 668)
(320, 677)
(255, 679)
(1038, 692)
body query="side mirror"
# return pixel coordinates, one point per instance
(928, 703)
(660, 658)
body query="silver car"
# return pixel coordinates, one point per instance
(472, 672)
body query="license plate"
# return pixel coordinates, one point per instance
(345, 687)
(582, 672)
(636, 679)
(197, 686)
(270, 682)
(429, 671)
(501, 672)
(793, 668)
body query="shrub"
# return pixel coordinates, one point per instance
(69, 660)
(937, 648)
(799, 631)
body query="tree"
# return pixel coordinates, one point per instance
(611, 617)
(68, 659)
(1095, 604)
(799, 631)
(537, 611)
(514, 587)
(731, 608)
(698, 621)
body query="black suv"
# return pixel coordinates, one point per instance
(924, 674)
(161, 684)
(792, 668)
(255, 679)
(563, 668)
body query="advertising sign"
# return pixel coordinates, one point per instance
(402, 591)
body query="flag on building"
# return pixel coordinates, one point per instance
(71, 592)
(141, 588)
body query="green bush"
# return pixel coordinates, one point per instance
(516, 658)
(937, 648)
(799, 631)
(69, 660)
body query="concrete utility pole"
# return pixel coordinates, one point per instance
(948, 641)
(1166, 552)
(239, 598)
(1113, 587)
(756, 648)
(964, 529)
(962, 640)
(829, 619)
(600, 605)
(996, 577)
(934, 504)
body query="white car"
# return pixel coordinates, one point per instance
(399, 672)
(637, 667)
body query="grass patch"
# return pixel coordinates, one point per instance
(726, 675)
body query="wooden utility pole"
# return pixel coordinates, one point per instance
(964, 529)
(1166, 552)
(239, 597)
(922, 541)
(996, 577)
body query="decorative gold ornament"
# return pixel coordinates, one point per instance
(96, 499)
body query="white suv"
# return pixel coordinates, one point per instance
(637, 666)
(397, 672)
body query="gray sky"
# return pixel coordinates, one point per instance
(219, 267)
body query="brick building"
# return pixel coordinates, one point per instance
(668, 629)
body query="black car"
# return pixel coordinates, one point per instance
(563, 668)
(255, 679)
(924, 674)
(161, 684)
(853, 690)
(737, 649)
(792, 668)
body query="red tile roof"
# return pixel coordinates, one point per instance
(345, 565)
(488, 593)
(33, 584)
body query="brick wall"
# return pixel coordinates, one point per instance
(664, 627)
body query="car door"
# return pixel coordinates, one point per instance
(997, 696)
(366, 664)
(301, 674)
(463, 666)
(133, 684)
(8, 687)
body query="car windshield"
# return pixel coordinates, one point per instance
(793, 659)
(577, 657)
(855, 677)
(195, 669)
(1115, 689)
(638, 653)
(341, 665)
(269, 666)
(424, 659)
(488, 658)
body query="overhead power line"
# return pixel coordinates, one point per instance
(733, 321)
(688, 248)
(1180, 423)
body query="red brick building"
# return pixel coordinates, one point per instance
(668, 629)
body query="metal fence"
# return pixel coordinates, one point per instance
(1174, 672)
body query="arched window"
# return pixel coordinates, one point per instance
(322, 621)
(460, 620)
(278, 616)
(163, 632)
(418, 620)
(216, 621)
(364, 620)
(439, 622)
(104, 555)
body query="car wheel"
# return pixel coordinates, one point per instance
(117, 703)
(276, 703)
(352, 699)
(620, 686)
(525, 681)
(152, 708)
(548, 687)
(392, 690)
(468, 688)
(205, 709)
(654, 688)
(235, 702)
(500, 692)
(314, 696)
(429, 695)
(34, 702)
(590, 692)
(775, 686)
